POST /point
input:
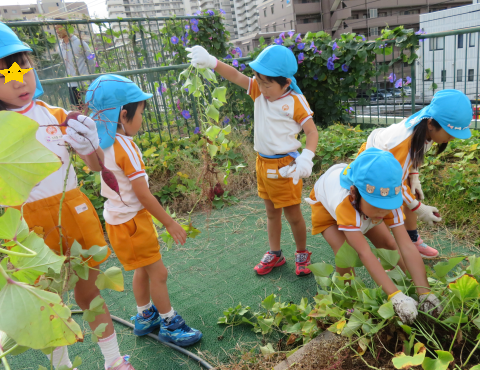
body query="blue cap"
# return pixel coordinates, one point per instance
(277, 61)
(377, 176)
(11, 44)
(451, 109)
(111, 91)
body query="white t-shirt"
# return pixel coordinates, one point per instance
(52, 138)
(125, 160)
(276, 124)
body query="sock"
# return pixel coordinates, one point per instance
(60, 357)
(413, 235)
(277, 253)
(109, 348)
(168, 316)
(140, 309)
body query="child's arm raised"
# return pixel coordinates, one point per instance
(202, 59)
(151, 204)
(405, 307)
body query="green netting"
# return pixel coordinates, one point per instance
(211, 273)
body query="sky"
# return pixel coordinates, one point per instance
(96, 8)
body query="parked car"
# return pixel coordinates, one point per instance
(407, 90)
(386, 94)
(363, 95)
(397, 93)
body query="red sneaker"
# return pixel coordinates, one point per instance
(268, 262)
(425, 251)
(302, 260)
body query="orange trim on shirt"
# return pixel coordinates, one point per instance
(135, 174)
(59, 113)
(27, 108)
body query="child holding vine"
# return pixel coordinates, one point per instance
(118, 104)
(447, 117)
(79, 220)
(362, 199)
(281, 113)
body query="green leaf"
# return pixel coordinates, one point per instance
(213, 113)
(77, 362)
(386, 310)
(388, 258)
(212, 150)
(474, 267)
(443, 268)
(38, 318)
(402, 361)
(268, 302)
(455, 319)
(184, 74)
(347, 257)
(52, 39)
(24, 162)
(96, 308)
(7, 343)
(12, 224)
(476, 367)
(321, 269)
(465, 288)
(440, 363)
(268, 350)
(112, 278)
(98, 253)
(100, 329)
(30, 268)
(355, 322)
(217, 103)
(220, 93)
(208, 74)
(227, 129)
(212, 132)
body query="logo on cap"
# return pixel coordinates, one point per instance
(384, 191)
(397, 189)
(370, 189)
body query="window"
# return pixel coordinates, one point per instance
(57, 4)
(5, 10)
(444, 75)
(272, 8)
(265, 13)
(436, 43)
(248, 47)
(266, 28)
(471, 40)
(274, 28)
(373, 31)
(460, 42)
(471, 74)
(373, 13)
(459, 75)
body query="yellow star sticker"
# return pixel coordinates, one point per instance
(14, 73)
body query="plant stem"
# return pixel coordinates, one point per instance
(458, 328)
(471, 353)
(60, 232)
(4, 274)
(3, 354)
(4, 359)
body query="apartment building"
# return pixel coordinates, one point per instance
(46, 9)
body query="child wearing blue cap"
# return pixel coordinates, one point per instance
(281, 113)
(80, 221)
(447, 117)
(352, 201)
(118, 104)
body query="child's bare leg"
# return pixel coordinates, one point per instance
(381, 238)
(274, 225)
(141, 287)
(336, 238)
(294, 216)
(158, 275)
(410, 218)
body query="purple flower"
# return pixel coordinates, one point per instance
(349, 110)
(408, 81)
(198, 12)
(319, 51)
(239, 52)
(291, 33)
(226, 120)
(282, 36)
(399, 83)
(335, 57)
(392, 77)
(344, 68)
(91, 56)
(96, 64)
(315, 77)
(420, 32)
(222, 11)
(194, 21)
(228, 56)
(301, 46)
(300, 57)
(186, 114)
(334, 46)
(278, 41)
(197, 130)
(174, 40)
(186, 89)
(363, 37)
(210, 13)
(187, 27)
(161, 89)
(291, 47)
(195, 28)
(312, 46)
(330, 64)
(242, 67)
(298, 38)
(235, 63)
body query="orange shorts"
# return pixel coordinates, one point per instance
(363, 147)
(80, 222)
(135, 242)
(321, 218)
(271, 185)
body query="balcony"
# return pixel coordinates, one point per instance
(339, 16)
(114, 2)
(307, 8)
(309, 27)
(334, 4)
(392, 21)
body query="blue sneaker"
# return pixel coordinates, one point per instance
(177, 332)
(147, 321)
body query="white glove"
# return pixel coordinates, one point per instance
(405, 307)
(425, 213)
(201, 58)
(415, 185)
(82, 135)
(287, 171)
(304, 165)
(430, 304)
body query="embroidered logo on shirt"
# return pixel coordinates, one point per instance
(51, 130)
(285, 107)
(54, 134)
(370, 189)
(81, 208)
(384, 191)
